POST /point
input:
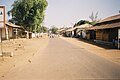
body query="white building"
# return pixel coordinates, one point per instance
(81, 30)
(70, 32)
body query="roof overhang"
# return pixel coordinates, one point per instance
(71, 29)
(14, 26)
(106, 26)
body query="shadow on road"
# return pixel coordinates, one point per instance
(103, 45)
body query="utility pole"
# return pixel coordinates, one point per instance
(2, 23)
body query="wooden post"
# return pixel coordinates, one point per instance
(0, 34)
(2, 21)
(118, 38)
(16, 33)
(1, 41)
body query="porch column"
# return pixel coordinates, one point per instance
(118, 38)
(0, 35)
(7, 37)
(16, 33)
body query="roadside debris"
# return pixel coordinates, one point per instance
(6, 54)
(29, 61)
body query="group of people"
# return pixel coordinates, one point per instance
(53, 35)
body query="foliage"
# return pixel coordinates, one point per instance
(44, 29)
(28, 13)
(54, 30)
(94, 18)
(81, 22)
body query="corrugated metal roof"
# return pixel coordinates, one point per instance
(84, 26)
(13, 25)
(106, 26)
(71, 29)
(115, 17)
(61, 30)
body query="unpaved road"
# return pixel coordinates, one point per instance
(60, 60)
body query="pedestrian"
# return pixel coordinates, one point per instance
(113, 42)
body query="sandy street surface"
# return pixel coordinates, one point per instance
(110, 54)
(56, 59)
(23, 50)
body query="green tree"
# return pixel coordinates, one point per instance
(44, 29)
(94, 18)
(81, 22)
(54, 30)
(28, 13)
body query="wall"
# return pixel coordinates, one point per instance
(10, 32)
(99, 35)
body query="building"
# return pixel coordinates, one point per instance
(15, 31)
(69, 32)
(80, 31)
(107, 29)
(12, 31)
(61, 31)
(90, 34)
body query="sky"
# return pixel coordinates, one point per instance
(65, 13)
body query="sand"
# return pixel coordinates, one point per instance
(23, 50)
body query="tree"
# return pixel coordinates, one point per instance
(81, 22)
(54, 30)
(44, 29)
(28, 13)
(94, 18)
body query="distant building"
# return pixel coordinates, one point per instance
(80, 31)
(61, 31)
(70, 32)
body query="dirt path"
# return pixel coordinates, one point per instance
(110, 54)
(23, 50)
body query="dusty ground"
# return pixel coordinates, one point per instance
(110, 54)
(23, 49)
(61, 60)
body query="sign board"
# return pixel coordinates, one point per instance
(119, 33)
(2, 16)
(2, 21)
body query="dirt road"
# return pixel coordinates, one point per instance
(23, 50)
(60, 60)
(108, 53)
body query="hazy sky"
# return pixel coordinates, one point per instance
(66, 12)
